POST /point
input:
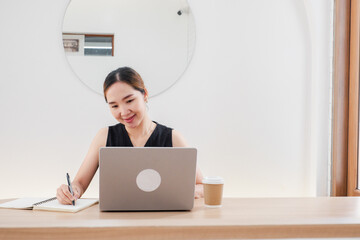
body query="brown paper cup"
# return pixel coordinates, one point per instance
(213, 191)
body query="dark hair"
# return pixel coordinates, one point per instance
(126, 75)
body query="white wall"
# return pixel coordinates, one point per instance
(254, 100)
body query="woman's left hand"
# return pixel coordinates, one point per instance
(199, 191)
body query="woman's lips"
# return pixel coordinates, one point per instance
(130, 119)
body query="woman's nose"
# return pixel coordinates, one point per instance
(123, 111)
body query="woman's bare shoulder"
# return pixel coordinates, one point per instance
(101, 137)
(103, 131)
(178, 139)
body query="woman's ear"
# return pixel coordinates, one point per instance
(146, 95)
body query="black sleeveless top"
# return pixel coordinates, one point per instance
(119, 137)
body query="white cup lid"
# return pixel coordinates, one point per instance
(213, 180)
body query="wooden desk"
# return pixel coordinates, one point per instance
(238, 218)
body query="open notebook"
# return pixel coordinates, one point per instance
(50, 204)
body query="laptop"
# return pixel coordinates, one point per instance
(147, 178)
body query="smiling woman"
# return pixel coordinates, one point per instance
(126, 95)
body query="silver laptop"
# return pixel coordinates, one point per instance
(147, 179)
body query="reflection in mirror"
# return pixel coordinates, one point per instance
(156, 38)
(88, 45)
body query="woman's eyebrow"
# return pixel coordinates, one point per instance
(130, 95)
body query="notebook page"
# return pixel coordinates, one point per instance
(22, 203)
(56, 206)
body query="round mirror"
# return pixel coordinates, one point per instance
(156, 38)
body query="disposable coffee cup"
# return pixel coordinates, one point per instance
(213, 191)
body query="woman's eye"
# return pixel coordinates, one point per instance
(114, 106)
(129, 101)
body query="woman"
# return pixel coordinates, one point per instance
(126, 96)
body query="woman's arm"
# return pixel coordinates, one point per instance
(179, 141)
(86, 172)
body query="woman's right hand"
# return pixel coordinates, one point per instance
(64, 196)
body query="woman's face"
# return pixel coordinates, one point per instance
(127, 104)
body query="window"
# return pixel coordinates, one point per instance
(353, 144)
(98, 45)
(345, 145)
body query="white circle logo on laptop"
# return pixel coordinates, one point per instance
(148, 180)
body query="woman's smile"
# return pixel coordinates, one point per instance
(130, 119)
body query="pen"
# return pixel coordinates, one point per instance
(70, 187)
